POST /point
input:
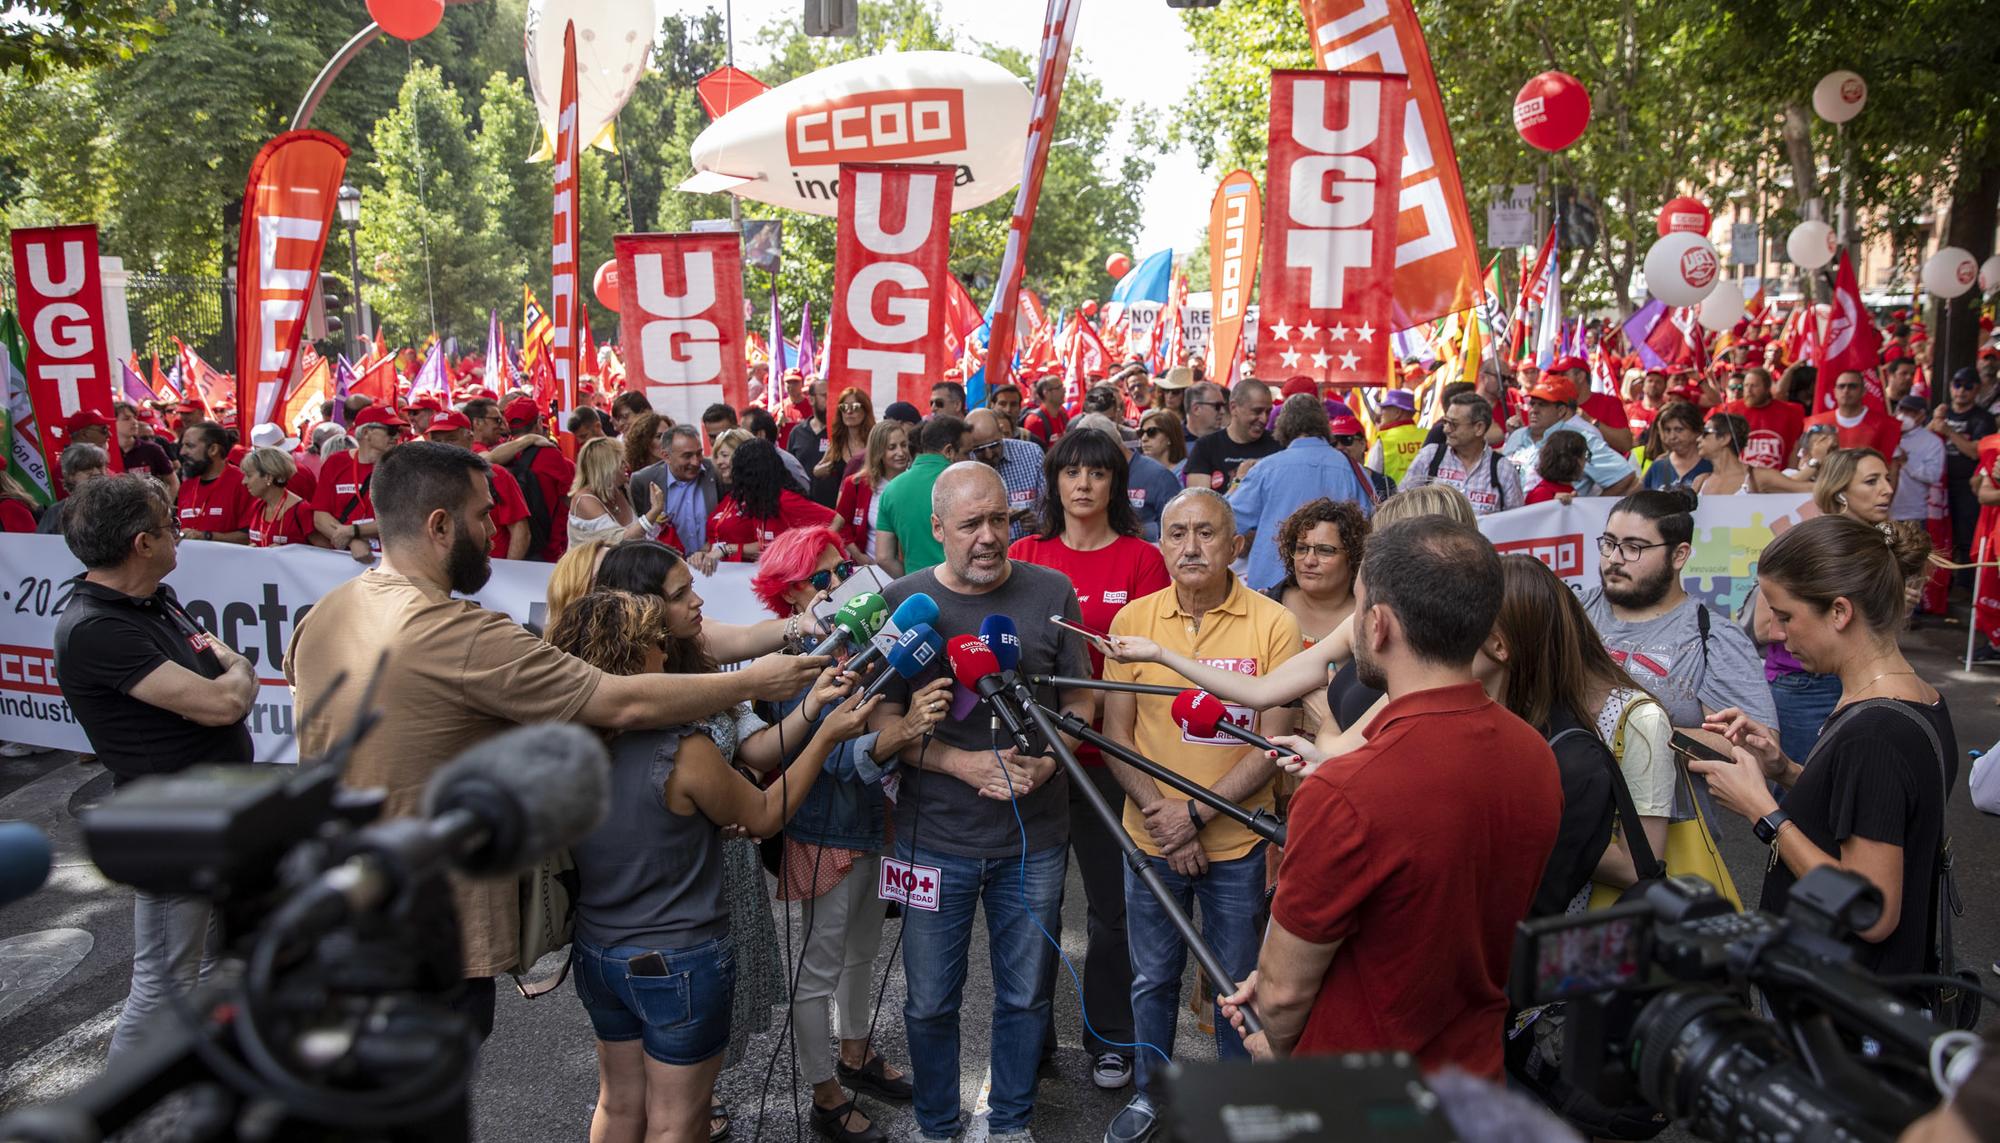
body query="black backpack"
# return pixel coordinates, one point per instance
(541, 519)
(1492, 473)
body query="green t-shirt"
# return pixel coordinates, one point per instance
(906, 513)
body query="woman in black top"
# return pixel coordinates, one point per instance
(1870, 798)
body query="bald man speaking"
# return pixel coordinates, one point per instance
(956, 822)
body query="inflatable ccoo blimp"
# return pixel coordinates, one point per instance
(785, 146)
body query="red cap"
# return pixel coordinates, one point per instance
(1345, 427)
(448, 421)
(1553, 386)
(1565, 364)
(426, 401)
(1300, 384)
(188, 407)
(1605, 408)
(522, 411)
(84, 419)
(1197, 713)
(379, 415)
(1894, 353)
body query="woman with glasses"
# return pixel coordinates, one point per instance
(1721, 445)
(847, 438)
(1163, 436)
(660, 923)
(854, 512)
(1090, 534)
(1320, 546)
(831, 865)
(1675, 440)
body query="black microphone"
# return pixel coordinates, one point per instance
(1201, 715)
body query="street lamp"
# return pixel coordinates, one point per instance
(348, 201)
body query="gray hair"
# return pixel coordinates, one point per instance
(105, 515)
(1099, 422)
(1208, 494)
(324, 432)
(1303, 416)
(339, 442)
(80, 458)
(1204, 392)
(689, 431)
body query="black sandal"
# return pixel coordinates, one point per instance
(873, 1077)
(718, 1114)
(831, 1123)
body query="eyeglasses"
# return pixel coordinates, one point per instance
(171, 529)
(1630, 551)
(1345, 442)
(989, 446)
(1152, 431)
(824, 578)
(1321, 551)
(1209, 404)
(856, 406)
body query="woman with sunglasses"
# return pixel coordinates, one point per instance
(847, 438)
(1163, 436)
(831, 865)
(854, 512)
(1721, 445)
(1090, 533)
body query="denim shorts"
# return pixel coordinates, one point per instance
(683, 1016)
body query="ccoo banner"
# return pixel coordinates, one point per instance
(891, 271)
(251, 599)
(1330, 238)
(288, 206)
(680, 308)
(61, 298)
(1235, 230)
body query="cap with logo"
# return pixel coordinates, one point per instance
(379, 415)
(449, 421)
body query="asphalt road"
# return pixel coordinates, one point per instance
(65, 957)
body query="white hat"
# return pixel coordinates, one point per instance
(268, 435)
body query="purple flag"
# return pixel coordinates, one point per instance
(343, 380)
(430, 376)
(808, 348)
(496, 355)
(135, 386)
(774, 386)
(1639, 326)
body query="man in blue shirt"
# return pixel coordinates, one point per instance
(1019, 464)
(1552, 406)
(1308, 468)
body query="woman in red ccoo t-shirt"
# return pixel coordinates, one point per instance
(277, 516)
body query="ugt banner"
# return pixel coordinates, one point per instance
(1330, 239)
(288, 204)
(61, 298)
(891, 281)
(564, 304)
(1437, 257)
(1235, 227)
(251, 599)
(680, 302)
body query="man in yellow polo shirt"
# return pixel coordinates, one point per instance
(1209, 615)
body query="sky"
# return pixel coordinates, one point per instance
(1131, 45)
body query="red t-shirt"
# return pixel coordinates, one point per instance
(852, 509)
(304, 482)
(294, 525)
(509, 507)
(218, 505)
(1546, 491)
(343, 491)
(16, 516)
(555, 475)
(1420, 856)
(1045, 426)
(1639, 418)
(1775, 430)
(1106, 580)
(1877, 430)
(728, 524)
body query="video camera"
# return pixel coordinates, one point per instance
(1657, 1010)
(329, 1014)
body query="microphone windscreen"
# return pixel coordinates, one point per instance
(1003, 639)
(971, 661)
(24, 860)
(862, 616)
(919, 608)
(556, 778)
(915, 650)
(1197, 712)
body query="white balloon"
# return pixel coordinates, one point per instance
(1682, 268)
(1810, 244)
(1722, 308)
(1840, 96)
(1950, 272)
(1989, 275)
(614, 39)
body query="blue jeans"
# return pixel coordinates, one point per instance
(681, 1014)
(935, 948)
(1231, 894)
(1804, 700)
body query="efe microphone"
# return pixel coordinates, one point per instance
(918, 609)
(1201, 715)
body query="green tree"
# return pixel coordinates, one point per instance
(39, 38)
(660, 122)
(51, 152)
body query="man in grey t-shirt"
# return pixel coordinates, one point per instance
(978, 824)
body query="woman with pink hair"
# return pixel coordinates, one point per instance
(832, 854)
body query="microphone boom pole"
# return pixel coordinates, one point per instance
(1063, 682)
(1135, 858)
(1260, 821)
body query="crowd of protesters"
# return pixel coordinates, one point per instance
(1312, 559)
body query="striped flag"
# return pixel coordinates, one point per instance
(26, 462)
(537, 331)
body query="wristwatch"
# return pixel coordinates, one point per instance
(1766, 828)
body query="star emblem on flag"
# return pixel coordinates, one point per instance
(1366, 332)
(1320, 360)
(1349, 360)
(1282, 331)
(1309, 331)
(1290, 357)
(1338, 332)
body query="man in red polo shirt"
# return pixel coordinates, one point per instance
(1856, 423)
(212, 503)
(343, 510)
(553, 474)
(1775, 426)
(1412, 857)
(510, 510)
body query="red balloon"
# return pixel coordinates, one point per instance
(1551, 111)
(1684, 214)
(407, 19)
(605, 285)
(1089, 306)
(1118, 265)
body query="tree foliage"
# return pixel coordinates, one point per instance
(40, 38)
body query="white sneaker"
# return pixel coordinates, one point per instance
(17, 750)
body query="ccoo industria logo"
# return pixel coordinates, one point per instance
(877, 127)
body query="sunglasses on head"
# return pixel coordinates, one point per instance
(822, 580)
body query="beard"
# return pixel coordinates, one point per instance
(468, 565)
(978, 575)
(1367, 670)
(1639, 591)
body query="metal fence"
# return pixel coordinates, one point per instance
(166, 306)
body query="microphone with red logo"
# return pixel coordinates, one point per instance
(1202, 715)
(976, 668)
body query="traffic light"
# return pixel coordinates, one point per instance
(832, 17)
(323, 315)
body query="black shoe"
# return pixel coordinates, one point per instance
(831, 1123)
(1986, 653)
(873, 1078)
